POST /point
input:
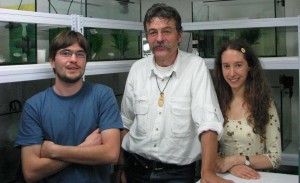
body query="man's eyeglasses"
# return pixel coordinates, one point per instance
(165, 32)
(69, 53)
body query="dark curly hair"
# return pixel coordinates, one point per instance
(257, 93)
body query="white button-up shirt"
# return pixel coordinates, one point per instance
(169, 133)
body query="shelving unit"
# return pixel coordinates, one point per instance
(17, 73)
(28, 72)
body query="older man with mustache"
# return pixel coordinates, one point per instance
(169, 106)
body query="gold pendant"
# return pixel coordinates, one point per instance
(161, 100)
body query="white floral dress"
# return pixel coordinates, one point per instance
(238, 139)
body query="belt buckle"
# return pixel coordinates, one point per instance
(155, 166)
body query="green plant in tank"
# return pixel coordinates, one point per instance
(120, 41)
(222, 40)
(250, 35)
(95, 38)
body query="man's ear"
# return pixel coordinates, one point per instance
(52, 62)
(180, 34)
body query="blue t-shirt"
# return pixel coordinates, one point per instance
(68, 121)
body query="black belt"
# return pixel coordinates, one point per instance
(137, 161)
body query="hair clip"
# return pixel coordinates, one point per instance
(243, 50)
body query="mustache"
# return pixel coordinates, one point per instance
(161, 44)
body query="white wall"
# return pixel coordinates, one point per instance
(14, 2)
(184, 7)
(292, 10)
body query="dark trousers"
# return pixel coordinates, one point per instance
(141, 170)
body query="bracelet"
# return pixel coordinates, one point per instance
(119, 167)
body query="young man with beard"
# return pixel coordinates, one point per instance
(70, 132)
(170, 110)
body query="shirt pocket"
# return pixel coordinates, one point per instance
(141, 109)
(181, 120)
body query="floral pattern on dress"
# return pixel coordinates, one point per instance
(239, 139)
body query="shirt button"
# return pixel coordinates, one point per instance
(156, 129)
(154, 145)
(159, 113)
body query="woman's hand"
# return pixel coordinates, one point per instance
(211, 177)
(244, 172)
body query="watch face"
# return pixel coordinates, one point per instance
(247, 161)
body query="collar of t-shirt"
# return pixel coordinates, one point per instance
(163, 71)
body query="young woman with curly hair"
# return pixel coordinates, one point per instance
(251, 138)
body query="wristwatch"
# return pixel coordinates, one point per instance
(247, 161)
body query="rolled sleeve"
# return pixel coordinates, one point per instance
(205, 107)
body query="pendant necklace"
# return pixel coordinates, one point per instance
(161, 98)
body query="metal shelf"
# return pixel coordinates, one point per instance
(16, 73)
(248, 23)
(20, 16)
(285, 63)
(111, 24)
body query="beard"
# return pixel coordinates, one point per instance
(66, 79)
